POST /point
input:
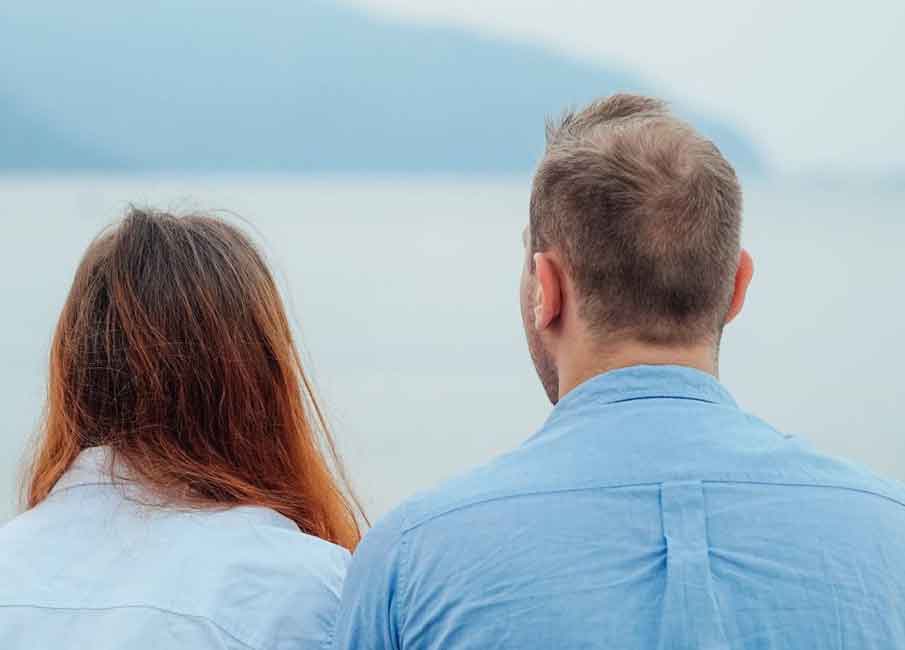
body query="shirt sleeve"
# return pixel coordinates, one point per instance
(371, 614)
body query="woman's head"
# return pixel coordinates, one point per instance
(173, 349)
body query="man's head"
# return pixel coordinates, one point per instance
(634, 237)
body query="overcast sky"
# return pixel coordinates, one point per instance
(817, 83)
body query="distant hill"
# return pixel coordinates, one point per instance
(29, 143)
(289, 85)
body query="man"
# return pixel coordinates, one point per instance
(649, 512)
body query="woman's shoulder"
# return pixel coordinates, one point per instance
(274, 584)
(273, 538)
(247, 540)
(248, 571)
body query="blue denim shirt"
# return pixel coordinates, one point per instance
(91, 568)
(649, 512)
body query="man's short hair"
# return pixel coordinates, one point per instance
(646, 214)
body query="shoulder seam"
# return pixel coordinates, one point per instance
(407, 527)
(162, 610)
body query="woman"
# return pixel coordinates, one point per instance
(185, 492)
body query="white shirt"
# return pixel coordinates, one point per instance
(91, 568)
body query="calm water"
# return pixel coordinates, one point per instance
(405, 294)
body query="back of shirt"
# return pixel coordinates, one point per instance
(649, 512)
(91, 568)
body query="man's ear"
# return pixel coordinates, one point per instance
(548, 286)
(743, 275)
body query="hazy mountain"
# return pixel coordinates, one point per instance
(287, 85)
(29, 143)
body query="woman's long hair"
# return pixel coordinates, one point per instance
(173, 349)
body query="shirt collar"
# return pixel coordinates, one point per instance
(99, 466)
(93, 466)
(644, 382)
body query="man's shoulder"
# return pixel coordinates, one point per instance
(535, 470)
(831, 472)
(509, 475)
(431, 520)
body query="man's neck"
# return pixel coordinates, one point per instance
(583, 364)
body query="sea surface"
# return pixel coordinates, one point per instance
(404, 292)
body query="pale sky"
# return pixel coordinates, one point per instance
(816, 83)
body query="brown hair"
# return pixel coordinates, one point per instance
(647, 216)
(173, 349)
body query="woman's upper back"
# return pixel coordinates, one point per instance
(173, 349)
(92, 567)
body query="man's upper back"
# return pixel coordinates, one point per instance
(88, 568)
(649, 512)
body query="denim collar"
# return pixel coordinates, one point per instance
(644, 382)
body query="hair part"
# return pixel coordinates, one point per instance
(173, 349)
(646, 214)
